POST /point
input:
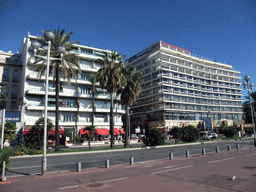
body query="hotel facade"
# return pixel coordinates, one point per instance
(180, 88)
(75, 99)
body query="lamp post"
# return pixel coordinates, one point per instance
(248, 86)
(49, 36)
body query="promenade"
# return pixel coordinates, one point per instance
(233, 170)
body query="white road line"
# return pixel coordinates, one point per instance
(164, 167)
(172, 169)
(75, 173)
(251, 154)
(221, 160)
(115, 179)
(69, 187)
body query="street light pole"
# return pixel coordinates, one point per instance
(249, 86)
(49, 36)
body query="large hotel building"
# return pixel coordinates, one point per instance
(75, 100)
(179, 88)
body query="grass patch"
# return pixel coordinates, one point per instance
(233, 138)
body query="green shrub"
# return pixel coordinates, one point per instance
(248, 130)
(190, 133)
(5, 156)
(229, 132)
(80, 139)
(154, 137)
(177, 133)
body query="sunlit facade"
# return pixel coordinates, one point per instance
(179, 88)
(75, 99)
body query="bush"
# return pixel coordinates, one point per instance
(190, 133)
(80, 139)
(248, 130)
(177, 133)
(5, 156)
(229, 132)
(154, 137)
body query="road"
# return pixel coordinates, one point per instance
(225, 171)
(60, 162)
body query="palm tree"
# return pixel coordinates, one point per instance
(247, 108)
(129, 93)
(65, 68)
(91, 129)
(93, 80)
(109, 77)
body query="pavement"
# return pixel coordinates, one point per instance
(210, 172)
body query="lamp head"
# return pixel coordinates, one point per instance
(244, 84)
(247, 78)
(49, 35)
(62, 51)
(35, 45)
(251, 85)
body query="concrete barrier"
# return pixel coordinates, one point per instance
(107, 163)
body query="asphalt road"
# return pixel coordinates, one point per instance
(226, 171)
(58, 162)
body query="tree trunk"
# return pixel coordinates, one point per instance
(127, 126)
(89, 142)
(93, 107)
(57, 137)
(112, 144)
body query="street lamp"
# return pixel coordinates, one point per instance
(248, 86)
(49, 36)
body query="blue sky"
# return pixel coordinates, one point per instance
(224, 30)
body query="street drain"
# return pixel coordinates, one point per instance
(249, 167)
(95, 185)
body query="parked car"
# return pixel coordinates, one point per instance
(210, 136)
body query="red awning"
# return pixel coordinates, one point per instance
(51, 132)
(26, 131)
(83, 131)
(116, 132)
(121, 131)
(102, 132)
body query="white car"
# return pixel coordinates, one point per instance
(210, 136)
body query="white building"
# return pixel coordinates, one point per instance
(75, 100)
(180, 88)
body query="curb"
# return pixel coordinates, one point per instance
(114, 150)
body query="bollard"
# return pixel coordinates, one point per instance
(79, 166)
(203, 151)
(237, 147)
(3, 172)
(106, 163)
(131, 160)
(229, 148)
(171, 156)
(187, 153)
(217, 149)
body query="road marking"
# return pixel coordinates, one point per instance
(164, 167)
(221, 160)
(115, 179)
(77, 173)
(172, 169)
(251, 154)
(69, 187)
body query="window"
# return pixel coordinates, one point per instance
(14, 91)
(13, 105)
(15, 75)
(85, 90)
(68, 117)
(6, 75)
(86, 64)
